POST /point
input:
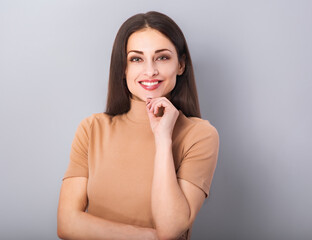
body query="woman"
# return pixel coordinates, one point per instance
(142, 169)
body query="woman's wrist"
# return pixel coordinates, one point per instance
(144, 233)
(150, 234)
(163, 140)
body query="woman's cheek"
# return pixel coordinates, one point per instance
(133, 71)
(169, 69)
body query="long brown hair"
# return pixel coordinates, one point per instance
(184, 95)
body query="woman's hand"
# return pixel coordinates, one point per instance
(162, 115)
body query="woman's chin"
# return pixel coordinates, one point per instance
(151, 96)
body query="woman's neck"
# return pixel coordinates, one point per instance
(137, 111)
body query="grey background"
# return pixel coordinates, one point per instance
(253, 68)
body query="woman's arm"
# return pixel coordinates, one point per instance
(170, 208)
(74, 223)
(174, 203)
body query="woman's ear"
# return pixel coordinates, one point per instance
(181, 65)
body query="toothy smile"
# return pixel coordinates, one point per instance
(150, 84)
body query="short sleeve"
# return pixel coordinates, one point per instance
(78, 158)
(201, 154)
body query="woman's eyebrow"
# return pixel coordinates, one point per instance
(157, 51)
(161, 50)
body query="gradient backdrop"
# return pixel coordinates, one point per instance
(253, 62)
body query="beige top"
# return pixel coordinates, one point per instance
(116, 154)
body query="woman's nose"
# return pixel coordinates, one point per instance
(151, 69)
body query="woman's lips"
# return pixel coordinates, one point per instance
(150, 84)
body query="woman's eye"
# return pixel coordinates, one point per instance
(163, 58)
(135, 59)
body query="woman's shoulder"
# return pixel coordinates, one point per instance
(193, 131)
(101, 118)
(196, 125)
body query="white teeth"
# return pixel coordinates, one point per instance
(149, 83)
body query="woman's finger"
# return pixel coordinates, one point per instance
(159, 102)
(159, 107)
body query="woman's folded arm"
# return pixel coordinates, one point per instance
(74, 223)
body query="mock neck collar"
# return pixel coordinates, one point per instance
(137, 112)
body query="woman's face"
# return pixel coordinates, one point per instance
(152, 64)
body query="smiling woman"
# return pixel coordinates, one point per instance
(153, 65)
(142, 169)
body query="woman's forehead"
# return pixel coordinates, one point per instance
(149, 40)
